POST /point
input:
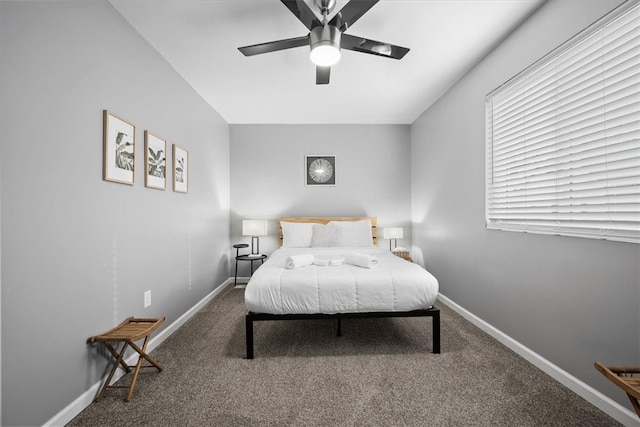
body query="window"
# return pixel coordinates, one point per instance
(563, 138)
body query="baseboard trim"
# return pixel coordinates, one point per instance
(86, 398)
(166, 332)
(591, 395)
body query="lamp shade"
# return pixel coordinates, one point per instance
(254, 227)
(392, 233)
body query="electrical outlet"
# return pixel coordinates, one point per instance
(147, 299)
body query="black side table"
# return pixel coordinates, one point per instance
(246, 257)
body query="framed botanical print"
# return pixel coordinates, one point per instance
(155, 161)
(180, 169)
(119, 148)
(320, 170)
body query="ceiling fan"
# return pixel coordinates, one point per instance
(327, 37)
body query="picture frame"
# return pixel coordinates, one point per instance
(320, 170)
(180, 169)
(155, 161)
(119, 148)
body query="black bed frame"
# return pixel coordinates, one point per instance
(432, 312)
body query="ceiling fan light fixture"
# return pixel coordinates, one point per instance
(325, 55)
(325, 35)
(325, 45)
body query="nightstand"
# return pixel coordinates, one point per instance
(402, 253)
(246, 257)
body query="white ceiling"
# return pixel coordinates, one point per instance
(199, 38)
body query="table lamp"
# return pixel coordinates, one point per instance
(392, 233)
(254, 228)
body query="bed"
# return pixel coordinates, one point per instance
(331, 268)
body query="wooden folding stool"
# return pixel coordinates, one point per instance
(625, 377)
(128, 332)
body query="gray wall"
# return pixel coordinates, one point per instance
(78, 252)
(571, 300)
(268, 176)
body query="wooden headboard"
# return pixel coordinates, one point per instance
(326, 219)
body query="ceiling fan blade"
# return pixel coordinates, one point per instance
(351, 12)
(360, 44)
(302, 12)
(322, 75)
(274, 46)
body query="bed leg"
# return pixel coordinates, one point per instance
(249, 335)
(436, 332)
(339, 333)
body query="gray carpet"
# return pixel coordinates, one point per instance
(381, 372)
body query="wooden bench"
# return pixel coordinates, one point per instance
(128, 332)
(625, 377)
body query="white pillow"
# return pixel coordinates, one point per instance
(325, 236)
(296, 234)
(354, 233)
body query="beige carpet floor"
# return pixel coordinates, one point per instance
(381, 372)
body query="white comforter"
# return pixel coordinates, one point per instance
(392, 285)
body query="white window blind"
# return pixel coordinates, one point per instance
(563, 138)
